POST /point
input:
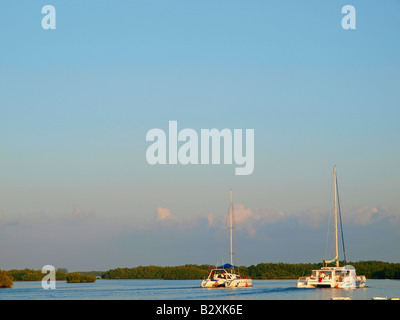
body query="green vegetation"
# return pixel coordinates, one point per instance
(37, 275)
(279, 270)
(377, 269)
(33, 275)
(97, 274)
(188, 271)
(371, 269)
(5, 280)
(80, 278)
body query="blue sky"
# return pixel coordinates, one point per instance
(76, 104)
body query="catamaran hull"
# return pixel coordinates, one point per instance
(312, 283)
(242, 283)
(212, 284)
(239, 283)
(337, 286)
(321, 283)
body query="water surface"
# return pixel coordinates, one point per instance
(190, 289)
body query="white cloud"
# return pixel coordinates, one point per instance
(250, 220)
(210, 220)
(367, 215)
(164, 214)
(39, 237)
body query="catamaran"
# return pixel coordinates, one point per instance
(219, 276)
(334, 277)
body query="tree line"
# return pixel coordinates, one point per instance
(76, 277)
(37, 275)
(371, 270)
(188, 271)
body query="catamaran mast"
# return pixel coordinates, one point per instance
(230, 225)
(336, 224)
(336, 259)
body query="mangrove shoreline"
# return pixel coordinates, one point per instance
(371, 269)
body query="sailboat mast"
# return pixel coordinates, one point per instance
(336, 224)
(230, 225)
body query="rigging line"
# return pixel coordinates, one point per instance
(234, 249)
(340, 219)
(235, 240)
(227, 228)
(329, 221)
(227, 250)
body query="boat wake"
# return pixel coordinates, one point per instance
(246, 293)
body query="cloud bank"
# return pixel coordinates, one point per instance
(83, 240)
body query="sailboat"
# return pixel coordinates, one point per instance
(219, 276)
(334, 277)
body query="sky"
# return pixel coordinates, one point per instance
(76, 103)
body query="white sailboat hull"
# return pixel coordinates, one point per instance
(212, 283)
(239, 283)
(221, 278)
(312, 283)
(334, 277)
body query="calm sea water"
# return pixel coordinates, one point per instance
(190, 289)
